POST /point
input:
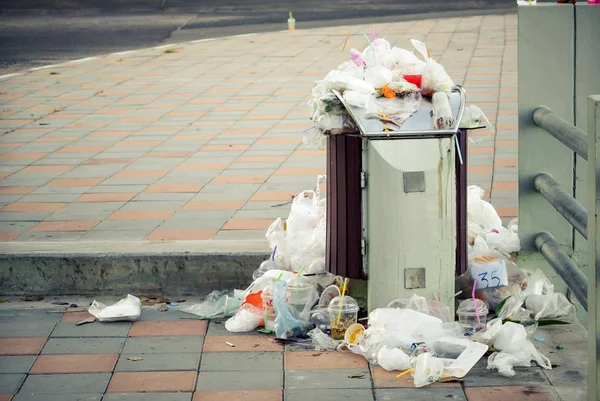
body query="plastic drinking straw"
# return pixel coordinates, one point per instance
(342, 300)
(399, 375)
(473, 296)
(372, 47)
(458, 149)
(301, 270)
(373, 34)
(273, 254)
(346, 41)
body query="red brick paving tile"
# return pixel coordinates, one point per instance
(263, 117)
(299, 171)
(4, 174)
(292, 126)
(133, 143)
(5, 397)
(224, 147)
(278, 141)
(479, 169)
(140, 174)
(87, 125)
(114, 111)
(140, 215)
(108, 197)
(478, 151)
(213, 205)
(156, 155)
(180, 235)
(8, 236)
(272, 196)
(242, 344)
(75, 225)
(323, 360)
(216, 123)
(174, 188)
(385, 379)
(47, 169)
(238, 224)
(228, 179)
(186, 114)
(507, 144)
(101, 162)
(57, 139)
(138, 119)
(65, 115)
(509, 127)
(59, 364)
(21, 346)
(75, 182)
(185, 137)
(505, 186)
(256, 395)
(10, 145)
(23, 156)
(308, 152)
(244, 131)
(74, 317)
(16, 190)
(206, 101)
(260, 159)
(529, 393)
(506, 162)
(202, 166)
(169, 328)
(239, 107)
(148, 382)
(82, 149)
(111, 133)
(508, 211)
(33, 207)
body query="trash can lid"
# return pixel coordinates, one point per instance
(418, 125)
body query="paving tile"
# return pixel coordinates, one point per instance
(98, 329)
(324, 360)
(75, 182)
(256, 395)
(158, 362)
(236, 380)
(140, 215)
(174, 188)
(57, 397)
(77, 225)
(213, 205)
(180, 235)
(16, 364)
(147, 397)
(66, 384)
(132, 382)
(530, 393)
(169, 328)
(241, 361)
(74, 317)
(10, 383)
(19, 190)
(21, 346)
(480, 376)
(163, 345)
(98, 363)
(326, 379)
(32, 207)
(420, 394)
(90, 345)
(243, 343)
(106, 197)
(385, 379)
(329, 394)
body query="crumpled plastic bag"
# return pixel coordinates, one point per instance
(509, 334)
(520, 353)
(428, 369)
(321, 341)
(550, 306)
(442, 115)
(343, 81)
(246, 319)
(397, 58)
(218, 304)
(392, 359)
(357, 99)
(126, 310)
(434, 77)
(488, 335)
(288, 323)
(375, 54)
(481, 212)
(378, 76)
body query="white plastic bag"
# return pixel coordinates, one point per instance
(393, 359)
(442, 116)
(434, 77)
(321, 341)
(549, 306)
(397, 58)
(518, 354)
(246, 319)
(375, 54)
(378, 76)
(217, 304)
(127, 309)
(504, 240)
(481, 212)
(357, 99)
(509, 334)
(428, 369)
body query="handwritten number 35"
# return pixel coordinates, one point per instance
(483, 278)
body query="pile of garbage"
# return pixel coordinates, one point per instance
(389, 84)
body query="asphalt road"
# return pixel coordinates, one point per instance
(41, 32)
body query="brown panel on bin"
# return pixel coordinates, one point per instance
(344, 165)
(461, 205)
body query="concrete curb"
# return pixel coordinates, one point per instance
(173, 268)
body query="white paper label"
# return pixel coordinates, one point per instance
(489, 274)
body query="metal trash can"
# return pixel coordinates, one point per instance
(396, 205)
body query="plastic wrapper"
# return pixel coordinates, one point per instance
(343, 81)
(442, 116)
(402, 86)
(321, 341)
(246, 319)
(127, 309)
(378, 76)
(549, 306)
(520, 353)
(392, 359)
(509, 334)
(397, 58)
(488, 335)
(428, 369)
(288, 323)
(481, 212)
(434, 77)
(357, 99)
(395, 110)
(474, 117)
(218, 304)
(504, 240)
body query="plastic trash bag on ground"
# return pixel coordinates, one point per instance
(480, 211)
(520, 353)
(288, 323)
(488, 335)
(218, 304)
(549, 306)
(321, 341)
(127, 309)
(392, 359)
(246, 319)
(509, 334)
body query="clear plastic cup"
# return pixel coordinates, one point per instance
(299, 293)
(472, 315)
(343, 313)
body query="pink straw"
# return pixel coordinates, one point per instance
(373, 33)
(473, 296)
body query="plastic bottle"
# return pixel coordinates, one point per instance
(291, 22)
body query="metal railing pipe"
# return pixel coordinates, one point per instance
(564, 266)
(564, 203)
(571, 136)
